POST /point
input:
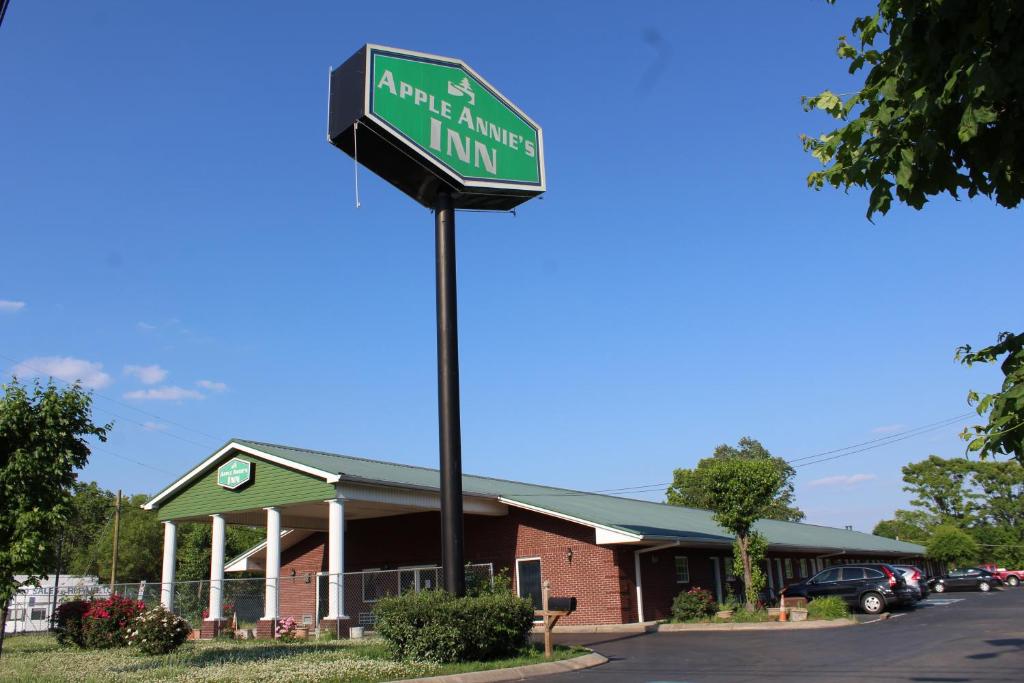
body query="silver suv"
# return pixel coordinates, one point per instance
(915, 579)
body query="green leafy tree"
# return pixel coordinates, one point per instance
(941, 109)
(43, 432)
(952, 545)
(92, 512)
(139, 546)
(782, 507)
(1001, 518)
(906, 525)
(1004, 433)
(941, 487)
(737, 491)
(196, 540)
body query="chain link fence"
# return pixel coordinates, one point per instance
(304, 597)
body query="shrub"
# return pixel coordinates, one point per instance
(829, 607)
(157, 631)
(692, 605)
(67, 622)
(436, 626)
(285, 629)
(755, 616)
(106, 622)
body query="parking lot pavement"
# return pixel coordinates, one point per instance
(952, 638)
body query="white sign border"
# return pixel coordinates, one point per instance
(469, 183)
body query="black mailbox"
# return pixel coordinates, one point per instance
(561, 604)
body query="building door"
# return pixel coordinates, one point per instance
(528, 580)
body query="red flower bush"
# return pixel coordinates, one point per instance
(105, 622)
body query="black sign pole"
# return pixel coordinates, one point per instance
(450, 431)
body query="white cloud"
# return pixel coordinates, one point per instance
(843, 480)
(147, 374)
(210, 385)
(164, 394)
(145, 327)
(888, 429)
(154, 426)
(65, 368)
(11, 306)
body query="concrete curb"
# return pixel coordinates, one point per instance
(762, 626)
(517, 673)
(645, 627)
(654, 627)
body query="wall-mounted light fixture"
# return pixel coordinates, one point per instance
(568, 554)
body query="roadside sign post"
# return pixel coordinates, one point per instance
(448, 411)
(440, 133)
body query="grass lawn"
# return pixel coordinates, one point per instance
(39, 658)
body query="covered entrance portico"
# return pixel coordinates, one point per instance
(245, 485)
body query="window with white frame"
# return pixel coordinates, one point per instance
(789, 568)
(682, 569)
(803, 567)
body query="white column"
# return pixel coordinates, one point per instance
(217, 569)
(639, 588)
(167, 577)
(336, 558)
(273, 563)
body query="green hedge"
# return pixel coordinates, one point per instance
(436, 626)
(830, 607)
(693, 605)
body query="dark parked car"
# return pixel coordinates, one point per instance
(871, 587)
(966, 579)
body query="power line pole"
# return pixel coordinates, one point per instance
(56, 581)
(117, 532)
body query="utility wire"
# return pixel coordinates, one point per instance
(940, 423)
(3, 10)
(839, 453)
(104, 449)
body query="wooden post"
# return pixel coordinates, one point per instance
(117, 531)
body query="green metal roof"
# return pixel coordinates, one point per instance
(653, 521)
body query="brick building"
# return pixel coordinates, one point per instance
(335, 523)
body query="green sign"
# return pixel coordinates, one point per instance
(454, 119)
(234, 473)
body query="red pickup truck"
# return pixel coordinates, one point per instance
(1011, 577)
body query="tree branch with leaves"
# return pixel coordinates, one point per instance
(941, 109)
(1004, 433)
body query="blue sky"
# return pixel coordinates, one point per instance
(176, 229)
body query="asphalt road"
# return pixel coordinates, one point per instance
(951, 638)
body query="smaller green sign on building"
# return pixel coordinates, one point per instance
(234, 473)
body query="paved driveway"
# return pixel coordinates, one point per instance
(952, 638)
